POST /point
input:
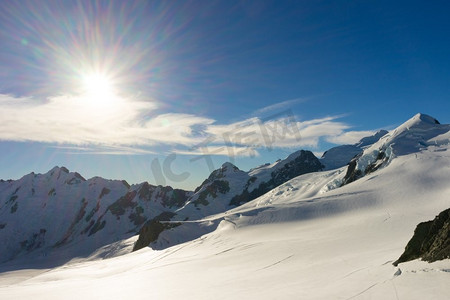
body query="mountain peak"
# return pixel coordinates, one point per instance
(54, 170)
(422, 118)
(63, 172)
(229, 166)
(416, 134)
(58, 168)
(418, 129)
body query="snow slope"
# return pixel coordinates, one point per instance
(306, 239)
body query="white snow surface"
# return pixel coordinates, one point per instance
(306, 239)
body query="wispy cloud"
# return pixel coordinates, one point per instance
(224, 150)
(77, 121)
(349, 137)
(282, 132)
(104, 150)
(279, 106)
(131, 126)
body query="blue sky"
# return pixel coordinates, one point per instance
(185, 78)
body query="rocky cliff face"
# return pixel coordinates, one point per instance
(431, 240)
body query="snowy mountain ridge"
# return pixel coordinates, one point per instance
(49, 211)
(412, 136)
(67, 209)
(315, 236)
(419, 132)
(96, 212)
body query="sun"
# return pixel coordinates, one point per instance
(98, 87)
(98, 94)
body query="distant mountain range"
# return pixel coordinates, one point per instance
(48, 212)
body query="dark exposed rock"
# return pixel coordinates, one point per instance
(305, 162)
(137, 216)
(169, 196)
(431, 240)
(125, 183)
(164, 216)
(177, 199)
(52, 192)
(99, 225)
(151, 230)
(93, 211)
(216, 186)
(37, 240)
(14, 208)
(340, 156)
(105, 191)
(77, 175)
(118, 208)
(146, 191)
(13, 198)
(85, 230)
(354, 174)
(381, 158)
(78, 218)
(64, 169)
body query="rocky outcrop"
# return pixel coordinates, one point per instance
(353, 173)
(304, 162)
(431, 240)
(151, 230)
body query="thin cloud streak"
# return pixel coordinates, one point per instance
(123, 126)
(279, 106)
(104, 150)
(349, 137)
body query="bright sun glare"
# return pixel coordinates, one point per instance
(98, 86)
(98, 94)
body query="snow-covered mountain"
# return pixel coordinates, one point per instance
(340, 156)
(371, 153)
(330, 234)
(51, 212)
(229, 187)
(419, 132)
